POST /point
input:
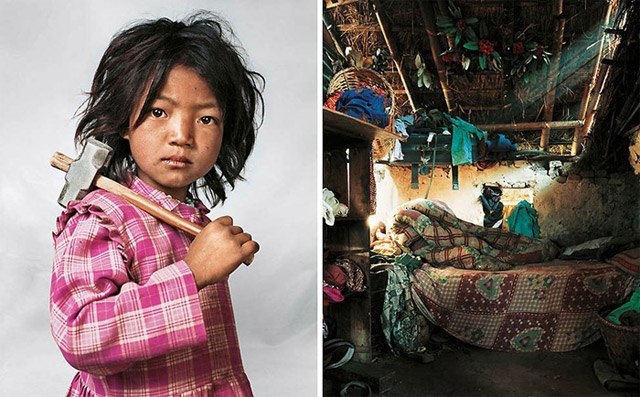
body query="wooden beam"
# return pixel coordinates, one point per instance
(592, 106)
(328, 27)
(587, 96)
(395, 52)
(430, 28)
(537, 125)
(556, 48)
(336, 3)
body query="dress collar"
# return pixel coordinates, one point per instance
(164, 200)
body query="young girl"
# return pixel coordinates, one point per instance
(137, 306)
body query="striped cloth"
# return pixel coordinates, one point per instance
(125, 310)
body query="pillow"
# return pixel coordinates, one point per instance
(627, 261)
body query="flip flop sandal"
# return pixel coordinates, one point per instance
(353, 386)
(330, 351)
(612, 380)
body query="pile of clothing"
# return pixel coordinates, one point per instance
(369, 104)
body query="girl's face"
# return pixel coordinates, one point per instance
(179, 139)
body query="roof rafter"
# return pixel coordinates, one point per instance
(395, 52)
(430, 29)
(556, 48)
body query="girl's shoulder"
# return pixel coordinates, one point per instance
(109, 208)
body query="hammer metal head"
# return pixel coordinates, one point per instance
(94, 156)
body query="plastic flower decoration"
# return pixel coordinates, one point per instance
(457, 25)
(530, 59)
(488, 57)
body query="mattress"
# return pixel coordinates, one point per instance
(549, 306)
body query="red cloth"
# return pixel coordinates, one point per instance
(334, 276)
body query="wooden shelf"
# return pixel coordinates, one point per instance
(346, 126)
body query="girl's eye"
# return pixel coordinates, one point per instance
(206, 120)
(157, 112)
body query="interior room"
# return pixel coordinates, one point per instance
(481, 228)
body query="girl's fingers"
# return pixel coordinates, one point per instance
(224, 220)
(242, 238)
(248, 260)
(249, 248)
(236, 229)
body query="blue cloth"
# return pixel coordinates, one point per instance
(524, 220)
(364, 104)
(501, 145)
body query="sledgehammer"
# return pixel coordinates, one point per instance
(83, 173)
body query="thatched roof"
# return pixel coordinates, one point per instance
(563, 89)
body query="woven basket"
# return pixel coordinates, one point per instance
(350, 78)
(622, 342)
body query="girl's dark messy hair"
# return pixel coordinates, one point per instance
(140, 58)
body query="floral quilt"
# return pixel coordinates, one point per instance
(540, 307)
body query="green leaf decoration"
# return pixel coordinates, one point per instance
(532, 45)
(420, 72)
(528, 60)
(419, 83)
(455, 11)
(444, 22)
(471, 45)
(546, 60)
(482, 60)
(427, 80)
(497, 56)
(458, 37)
(471, 21)
(451, 30)
(484, 31)
(470, 34)
(418, 61)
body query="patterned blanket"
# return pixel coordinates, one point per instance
(475, 287)
(429, 230)
(540, 307)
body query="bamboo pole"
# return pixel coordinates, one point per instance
(396, 55)
(532, 126)
(592, 106)
(430, 28)
(328, 27)
(550, 96)
(579, 133)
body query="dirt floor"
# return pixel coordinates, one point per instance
(463, 370)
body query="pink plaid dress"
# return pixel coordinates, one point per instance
(125, 310)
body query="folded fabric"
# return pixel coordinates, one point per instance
(334, 276)
(364, 104)
(501, 144)
(331, 295)
(632, 306)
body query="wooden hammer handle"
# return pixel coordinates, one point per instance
(62, 162)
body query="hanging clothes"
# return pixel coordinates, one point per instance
(461, 141)
(524, 220)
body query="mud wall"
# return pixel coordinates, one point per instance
(572, 207)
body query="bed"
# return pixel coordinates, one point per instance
(499, 290)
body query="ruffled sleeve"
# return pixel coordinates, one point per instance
(102, 321)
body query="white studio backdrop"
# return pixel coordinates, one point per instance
(48, 52)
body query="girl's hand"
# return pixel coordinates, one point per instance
(218, 250)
